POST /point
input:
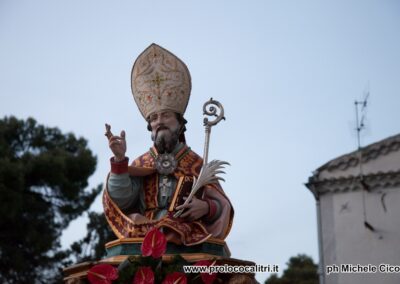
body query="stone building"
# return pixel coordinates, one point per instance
(358, 215)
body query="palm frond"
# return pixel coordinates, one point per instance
(208, 175)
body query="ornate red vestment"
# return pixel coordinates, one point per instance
(187, 233)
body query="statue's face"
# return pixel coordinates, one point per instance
(164, 130)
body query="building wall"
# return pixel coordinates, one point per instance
(346, 240)
(345, 205)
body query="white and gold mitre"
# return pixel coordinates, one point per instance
(160, 81)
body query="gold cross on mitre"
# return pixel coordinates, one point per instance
(158, 80)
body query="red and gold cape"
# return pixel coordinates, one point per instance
(187, 233)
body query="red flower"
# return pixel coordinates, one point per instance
(154, 244)
(102, 274)
(144, 275)
(208, 278)
(175, 278)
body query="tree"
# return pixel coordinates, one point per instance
(301, 270)
(43, 176)
(91, 247)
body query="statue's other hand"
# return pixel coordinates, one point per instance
(195, 209)
(138, 219)
(117, 144)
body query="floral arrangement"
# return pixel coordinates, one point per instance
(149, 267)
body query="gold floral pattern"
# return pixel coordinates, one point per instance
(190, 233)
(160, 81)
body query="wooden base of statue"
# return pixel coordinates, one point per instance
(119, 250)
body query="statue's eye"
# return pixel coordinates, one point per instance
(167, 115)
(153, 118)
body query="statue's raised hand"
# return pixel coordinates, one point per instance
(117, 144)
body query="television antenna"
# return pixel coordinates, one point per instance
(360, 112)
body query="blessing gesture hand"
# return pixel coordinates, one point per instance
(117, 144)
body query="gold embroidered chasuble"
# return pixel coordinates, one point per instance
(176, 229)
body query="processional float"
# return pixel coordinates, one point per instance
(160, 81)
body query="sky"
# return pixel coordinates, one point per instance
(286, 72)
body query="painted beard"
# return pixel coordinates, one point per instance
(165, 139)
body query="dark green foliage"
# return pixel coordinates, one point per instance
(301, 270)
(128, 268)
(43, 176)
(91, 247)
